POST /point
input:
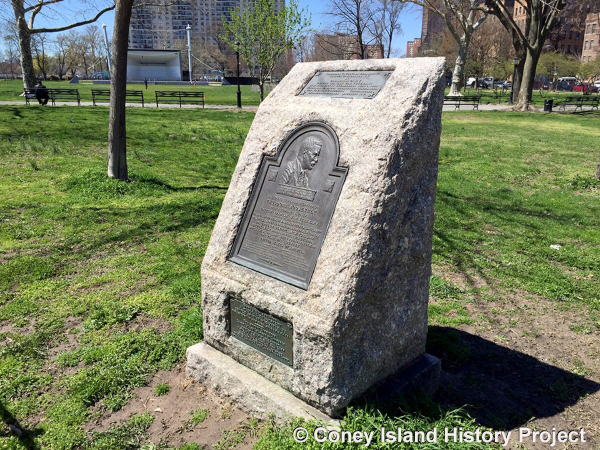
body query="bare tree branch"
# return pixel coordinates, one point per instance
(73, 25)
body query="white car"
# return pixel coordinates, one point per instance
(471, 82)
(597, 84)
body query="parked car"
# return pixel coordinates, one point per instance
(563, 85)
(483, 83)
(585, 87)
(471, 82)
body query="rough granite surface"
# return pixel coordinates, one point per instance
(364, 314)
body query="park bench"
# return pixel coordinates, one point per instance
(179, 97)
(64, 94)
(30, 95)
(103, 95)
(54, 94)
(457, 101)
(579, 101)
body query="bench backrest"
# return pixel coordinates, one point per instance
(179, 94)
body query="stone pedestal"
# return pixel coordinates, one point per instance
(315, 281)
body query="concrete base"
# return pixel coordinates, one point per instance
(260, 397)
(245, 388)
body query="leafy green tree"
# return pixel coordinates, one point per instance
(262, 34)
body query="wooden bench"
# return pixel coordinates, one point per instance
(457, 101)
(103, 95)
(30, 94)
(579, 101)
(64, 94)
(180, 97)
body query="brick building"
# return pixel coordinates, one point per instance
(591, 38)
(412, 48)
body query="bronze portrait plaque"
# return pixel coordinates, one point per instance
(262, 331)
(346, 84)
(291, 205)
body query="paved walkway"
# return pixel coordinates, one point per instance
(151, 105)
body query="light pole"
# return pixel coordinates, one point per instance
(107, 48)
(239, 92)
(189, 37)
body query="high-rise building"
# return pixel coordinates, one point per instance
(412, 48)
(159, 27)
(591, 38)
(433, 27)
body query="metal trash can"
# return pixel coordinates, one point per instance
(548, 105)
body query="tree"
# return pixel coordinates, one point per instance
(262, 35)
(39, 44)
(352, 20)
(462, 18)
(11, 46)
(117, 145)
(385, 23)
(25, 13)
(529, 40)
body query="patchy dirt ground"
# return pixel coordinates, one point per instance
(521, 362)
(225, 425)
(524, 362)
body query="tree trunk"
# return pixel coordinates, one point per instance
(525, 90)
(261, 86)
(459, 66)
(598, 171)
(29, 79)
(117, 146)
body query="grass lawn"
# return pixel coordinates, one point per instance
(11, 90)
(100, 280)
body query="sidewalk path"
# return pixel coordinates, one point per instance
(152, 105)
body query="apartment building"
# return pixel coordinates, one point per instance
(161, 24)
(591, 38)
(412, 48)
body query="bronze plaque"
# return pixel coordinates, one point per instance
(347, 84)
(262, 331)
(291, 205)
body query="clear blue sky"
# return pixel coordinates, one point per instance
(410, 22)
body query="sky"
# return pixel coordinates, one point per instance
(410, 22)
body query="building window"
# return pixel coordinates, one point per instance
(588, 28)
(568, 49)
(591, 45)
(593, 28)
(570, 35)
(585, 45)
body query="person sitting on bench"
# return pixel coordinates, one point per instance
(41, 93)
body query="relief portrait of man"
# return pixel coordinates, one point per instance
(295, 173)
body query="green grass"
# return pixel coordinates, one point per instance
(511, 189)
(76, 246)
(215, 95)
(116, 266)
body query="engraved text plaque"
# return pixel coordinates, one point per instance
(262, 331)
(349, 84)
(291, 205)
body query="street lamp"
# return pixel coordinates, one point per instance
(239, 92)
(107, 47)
(189, 39)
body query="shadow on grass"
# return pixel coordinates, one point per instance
(25, 436)
(498, 387)
(503, 388)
